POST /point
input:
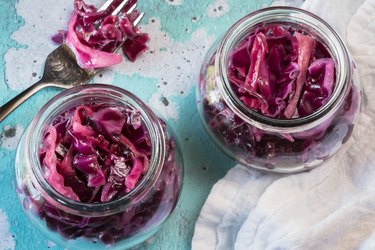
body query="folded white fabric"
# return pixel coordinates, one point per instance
(331, 207)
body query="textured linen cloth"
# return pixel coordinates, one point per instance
(330, 207)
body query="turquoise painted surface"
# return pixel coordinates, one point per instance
(204, 162)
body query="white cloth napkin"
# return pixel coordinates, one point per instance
(331, 207)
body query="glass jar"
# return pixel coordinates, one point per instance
(121, 223)
(265, 143)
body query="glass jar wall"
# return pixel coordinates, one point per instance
(268, 143)
(122, 222)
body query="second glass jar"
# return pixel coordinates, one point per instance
(265, 143)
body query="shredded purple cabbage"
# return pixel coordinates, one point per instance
(96, 154)
(281, 73)
(89, 146)
(318, 87)
(95, 35)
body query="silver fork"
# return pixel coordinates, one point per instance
(61, 68)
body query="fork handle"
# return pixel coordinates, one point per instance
(16, 101)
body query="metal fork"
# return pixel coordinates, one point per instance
(61, 68)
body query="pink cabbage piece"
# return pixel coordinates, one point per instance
(49, 164)
(94, 36)
(109, 121)
(86, 56)
(89, 165)
(271, 71)
(71, 179)
(258, 78)
(96, 153)
(132, 179)
(116, 178)
(306, 47)
(319, 86)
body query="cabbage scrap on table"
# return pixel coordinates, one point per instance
(94, 36)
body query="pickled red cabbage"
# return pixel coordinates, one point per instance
(95, 153)
(281, 73)
(95, 35)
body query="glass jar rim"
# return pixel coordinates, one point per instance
(281, 14)
(48, 111)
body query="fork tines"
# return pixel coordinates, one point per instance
(122, 6)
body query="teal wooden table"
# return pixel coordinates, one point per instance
(181, 31)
